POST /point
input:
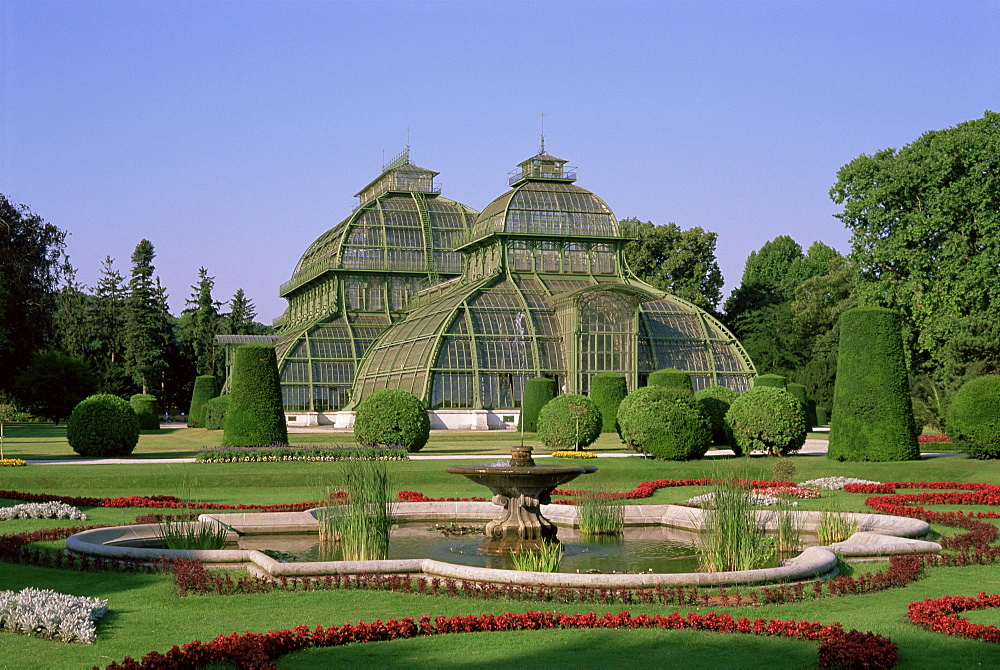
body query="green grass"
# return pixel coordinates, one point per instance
(145, 614)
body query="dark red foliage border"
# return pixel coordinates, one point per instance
(941, 615)
(171, 502)
(253, 650)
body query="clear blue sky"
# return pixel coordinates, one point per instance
(232, 134)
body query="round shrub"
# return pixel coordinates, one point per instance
(973, 423)
(103, 425)
(256, 415)
(664, 422)
(205, 388)
(214, 411)
(672, 378)
(569, 421)
(765, 418)
(392, 417)
(144, 406)
(538, 391)
(714, 402)
(608, 389)
(872, 411)
(775, 381)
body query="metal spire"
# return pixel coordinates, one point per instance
(541, 150)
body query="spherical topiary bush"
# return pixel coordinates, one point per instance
(144, 406)
(776, 381)
(765, 418)
(103, 425)
(569, 421)
(214, 411)
(205, 388)
(256, 415)
(672, 378)
(608, 389)
(872, 409)
(392, 417)
(538, 391)
(664, 422)
(714, 403)
(973, 423)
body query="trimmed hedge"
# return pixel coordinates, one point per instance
(392, 417)
(872, 413)
(664, 422)
(214, 411)
(714, 402)
(538, 391)
(765, 418)
(822, 415)
(808, 406)
(103, 425)
(608, 389)
(569, 421)
(206, 387)
(671, 378)
(774, 381)
(144, 406)
(256, 414)
(973, 423)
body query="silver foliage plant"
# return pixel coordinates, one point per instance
(45, 510)
(56, 616)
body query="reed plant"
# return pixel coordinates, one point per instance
(733, 538)
(835, 526)
(787, 537)
(545, 558)
(361, 523)
(191, 535)
(600, 514)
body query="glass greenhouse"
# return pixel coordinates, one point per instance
(417, 292)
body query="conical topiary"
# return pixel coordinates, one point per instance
(255, 416)
(205, 388)
(776, 381)
(671, 378)
(537, 392)
(872, 414)
(144, 406)
(607, 390)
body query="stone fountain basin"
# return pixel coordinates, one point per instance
(879, 536)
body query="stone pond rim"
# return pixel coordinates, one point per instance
(520, 487)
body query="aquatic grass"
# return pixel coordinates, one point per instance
(361, 523)
(787, 537)
(191, 534)
(600, 513)
(545, 558)
(835, 526)
(733, 538)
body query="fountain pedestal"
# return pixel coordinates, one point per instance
(520, 488)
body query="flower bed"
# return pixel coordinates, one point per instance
(283, 452)
(941, 615)
(56, 616)
(11, 463)
(52, 509)
(155, 501)
(838, 648)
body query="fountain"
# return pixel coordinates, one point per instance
(520, 487)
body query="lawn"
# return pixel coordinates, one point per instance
(145, 614)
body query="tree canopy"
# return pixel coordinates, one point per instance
(679, 261)
(925, 224)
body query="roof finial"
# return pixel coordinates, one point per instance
(542, 149)
(407, 142)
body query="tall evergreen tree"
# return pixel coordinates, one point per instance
(109, 323)
(74, 319)
(31, 252)
(242, 312)
(201, 323)
(145, 322)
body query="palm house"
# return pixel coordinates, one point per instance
(418, 292)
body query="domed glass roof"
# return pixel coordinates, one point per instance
(545, 292)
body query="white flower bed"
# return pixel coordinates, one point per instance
(835, 483)
(756, 499)
(56, 616)
(45, 510)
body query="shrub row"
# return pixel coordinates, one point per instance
(284, 452)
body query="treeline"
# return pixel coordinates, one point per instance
(61, 340)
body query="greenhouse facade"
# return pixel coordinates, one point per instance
(418, 292)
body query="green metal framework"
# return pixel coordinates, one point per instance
(357, 279)
(545, 292)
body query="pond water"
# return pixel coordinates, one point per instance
(640, 549)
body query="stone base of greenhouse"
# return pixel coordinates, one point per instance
(441, 419)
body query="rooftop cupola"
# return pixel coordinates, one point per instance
(542, 166)
(399, 175)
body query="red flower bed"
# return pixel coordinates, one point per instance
(255, 650)
(932, 438)
(941, 615)
(171, 502)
